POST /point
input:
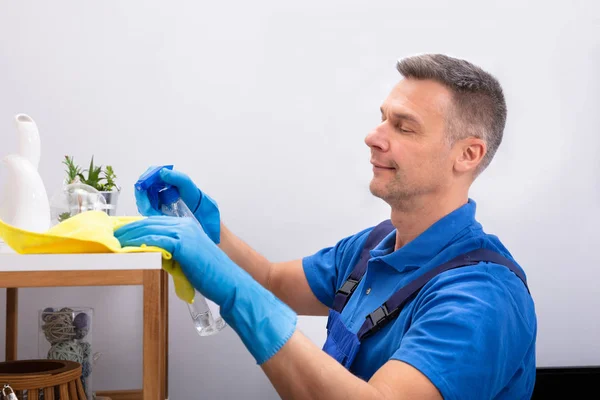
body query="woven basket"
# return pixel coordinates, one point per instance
(56, 379)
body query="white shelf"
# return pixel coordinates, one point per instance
(13, 262)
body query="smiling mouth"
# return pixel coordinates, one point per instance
(378, 166)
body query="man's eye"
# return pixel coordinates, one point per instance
(403, 130)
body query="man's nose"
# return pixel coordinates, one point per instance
(377, 138)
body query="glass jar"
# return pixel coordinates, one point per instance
(65, 333)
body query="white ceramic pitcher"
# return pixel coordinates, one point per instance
(23, 198)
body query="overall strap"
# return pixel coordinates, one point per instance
(377, 234)
(391, 308)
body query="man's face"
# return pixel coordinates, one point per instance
(410, 153)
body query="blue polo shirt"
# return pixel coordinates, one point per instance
(470, 330)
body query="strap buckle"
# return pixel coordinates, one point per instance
(348, 287)
(379, 315)
(379, 318)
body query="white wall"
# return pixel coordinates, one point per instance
(266, 104)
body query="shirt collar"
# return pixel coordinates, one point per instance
(429, 243)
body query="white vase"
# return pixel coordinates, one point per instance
(24, 201)
(29, 139)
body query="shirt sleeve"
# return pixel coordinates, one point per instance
(327, 268)
(470, 332)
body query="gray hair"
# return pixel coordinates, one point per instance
(478, 109)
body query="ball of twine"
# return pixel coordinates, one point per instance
(86, 369)
(47, 314)
(81, 321)
(59, 327)
(80, 333)
(86, 350)
(66, 351)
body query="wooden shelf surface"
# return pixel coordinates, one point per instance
(13, 262)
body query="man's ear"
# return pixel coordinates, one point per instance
(470, 153)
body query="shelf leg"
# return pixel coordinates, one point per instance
(12, 305)
(153, 382)
(165, 339)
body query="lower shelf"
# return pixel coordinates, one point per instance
(120, 394)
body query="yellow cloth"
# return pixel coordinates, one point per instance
(90, 232)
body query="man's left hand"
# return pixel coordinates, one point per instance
(263, 322)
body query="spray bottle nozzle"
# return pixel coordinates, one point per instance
(152, 183)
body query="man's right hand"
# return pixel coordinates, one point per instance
(286, 280)
(204, 208)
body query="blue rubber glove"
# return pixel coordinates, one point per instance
(204, 208)
(263, 322)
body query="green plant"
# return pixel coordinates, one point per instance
(103, 180)
(72, 170)
(109, 175)
(63, 216)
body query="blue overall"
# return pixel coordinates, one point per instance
(342, 344)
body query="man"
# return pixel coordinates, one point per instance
(425, 307)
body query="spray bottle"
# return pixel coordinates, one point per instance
(164, 197)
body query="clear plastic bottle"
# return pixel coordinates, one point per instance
(205, 313)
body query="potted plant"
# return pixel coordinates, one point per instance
(101, 179)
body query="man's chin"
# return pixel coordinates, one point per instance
(389, 195)
(377, 191)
